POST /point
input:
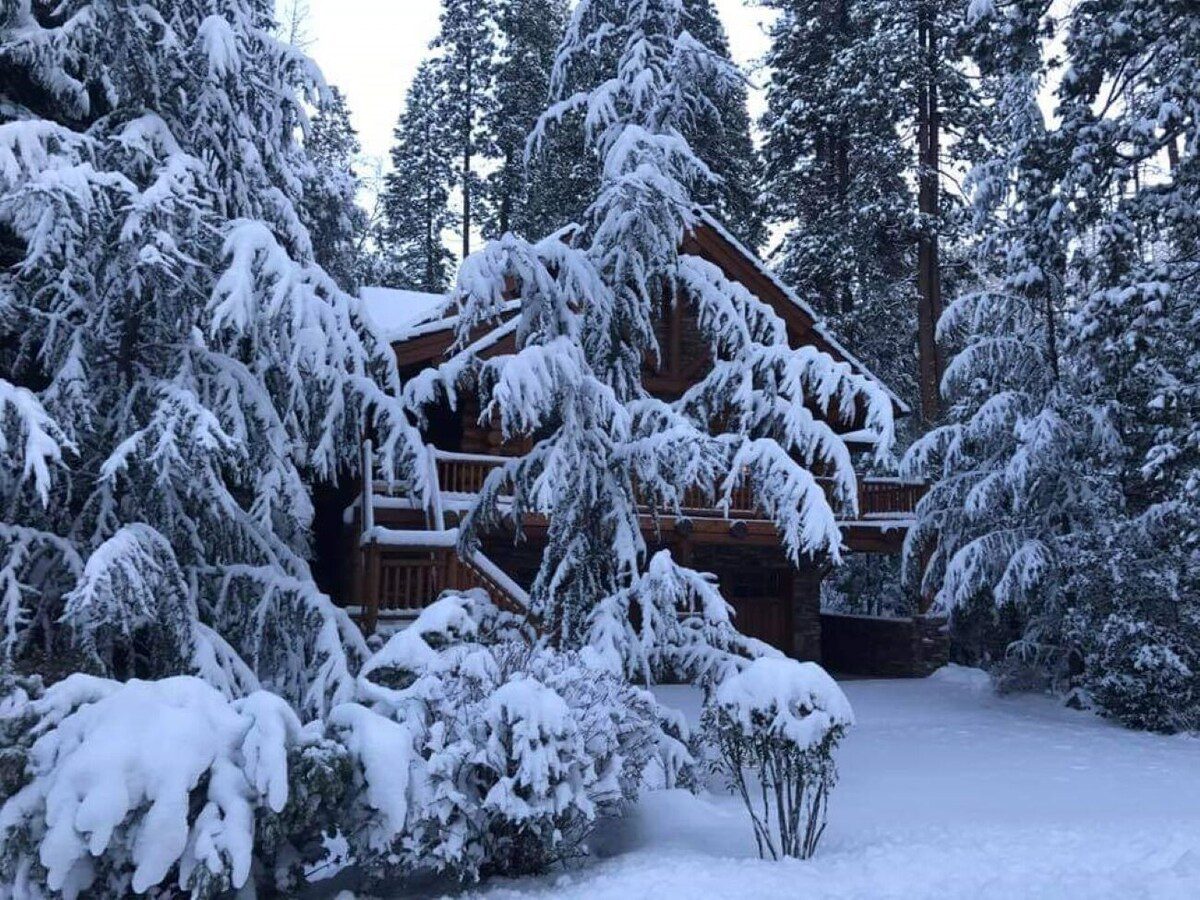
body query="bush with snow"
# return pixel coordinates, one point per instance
(153, 786)
(1145, 675)
(774, 727)
(513, 785)
(489, 754)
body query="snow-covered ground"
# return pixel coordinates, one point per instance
(947, 791)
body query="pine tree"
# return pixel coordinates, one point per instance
(835, 164)
(1129, 129)
(586, 327)
(1128, 105)
(466, 43)
(718, 131)
(1065, 495)
(1011, 461)
(853, 83)
(721, 137)
(335, 222)
(417, 191)
(174, 364)
(530, 31)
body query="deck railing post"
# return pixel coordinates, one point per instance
(368, 551)
(371, 589)
(368, 489)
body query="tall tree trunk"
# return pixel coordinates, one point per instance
(1173, 153)
(468, 123)
(929, 280)
(843, 191)
(841, 297)
(506, 189)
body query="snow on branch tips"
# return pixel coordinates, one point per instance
(684, 629)
(31, 442)
(145, 784)
(300, 645)
(133, 614)
(776, 723)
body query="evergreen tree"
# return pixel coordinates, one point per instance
(835, 164)
(335, 222)
(1008, 461)
(584, 332)
(530, 31)
(171, 357)
(417, 191)
(852, 84)
(1066, 501)
(466, 43)
(720, 136)
(1129, 108)
(718, 131)
(945, 106)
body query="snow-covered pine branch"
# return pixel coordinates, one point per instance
(30, 439)
(685, 628)
(134, 616)
(165, 302)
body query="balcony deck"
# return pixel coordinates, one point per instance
(409, 547)
(460, 476)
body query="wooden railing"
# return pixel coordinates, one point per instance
(407, 582)
(886, 496)
(463, 473)
(400, 582)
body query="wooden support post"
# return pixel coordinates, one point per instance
(368, 486)
(370, 598)
(924, 600)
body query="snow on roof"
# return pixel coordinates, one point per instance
(396, 313)
(710, 221)
(400, 315)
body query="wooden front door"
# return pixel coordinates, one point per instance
(762, 601)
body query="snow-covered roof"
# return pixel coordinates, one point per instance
(397, 314)
(402, 315)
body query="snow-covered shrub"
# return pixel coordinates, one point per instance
(774, 727)
(291, 842)
(149, 785)
(512, 785)
(1133, 621)
(489, 754)
(386, 784)
(1145, 675)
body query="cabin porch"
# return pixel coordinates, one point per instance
(405, 554)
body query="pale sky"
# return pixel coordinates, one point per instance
(371, 48)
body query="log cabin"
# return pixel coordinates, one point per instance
(399, 553)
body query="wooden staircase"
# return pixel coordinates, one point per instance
(398, 581)
(399, 573)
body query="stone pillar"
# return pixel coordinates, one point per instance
(806, 611)
(931, 644)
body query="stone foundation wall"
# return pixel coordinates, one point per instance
(887, 648)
